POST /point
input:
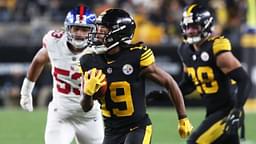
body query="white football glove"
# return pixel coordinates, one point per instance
(26, 101)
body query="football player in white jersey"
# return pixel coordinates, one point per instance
(66, 120)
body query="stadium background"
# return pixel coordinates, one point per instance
(24, 22)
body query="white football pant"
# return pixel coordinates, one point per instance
(63, 126)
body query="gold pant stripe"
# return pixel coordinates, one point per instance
(213, 133)
(148, 134)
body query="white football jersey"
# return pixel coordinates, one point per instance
(65, 70)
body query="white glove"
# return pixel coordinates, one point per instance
(26, 101)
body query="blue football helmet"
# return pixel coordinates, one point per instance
(80, 16)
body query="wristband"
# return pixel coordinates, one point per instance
(27, 87)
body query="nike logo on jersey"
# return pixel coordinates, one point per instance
(134, 128)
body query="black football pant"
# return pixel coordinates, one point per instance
(135, 135)
(211, 131)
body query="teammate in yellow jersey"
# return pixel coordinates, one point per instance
(209, 67)
(125, 66)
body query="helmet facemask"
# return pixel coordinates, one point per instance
(96, 39)
(79, 41)
(120, 29)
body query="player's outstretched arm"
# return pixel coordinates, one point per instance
(161, 77)
(34, 70)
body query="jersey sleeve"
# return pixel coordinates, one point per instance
(221, 45)
(52, 37)
(179, 51)
(147, 57)
(47, 39)
(83, 63)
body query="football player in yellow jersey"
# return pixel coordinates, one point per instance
(209, 67)
(125, 66)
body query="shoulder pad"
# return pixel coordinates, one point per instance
(221, 44)
(212, 38)
(147, 57)
(52, 36)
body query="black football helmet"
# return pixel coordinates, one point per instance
(198, 17)
(121, 27)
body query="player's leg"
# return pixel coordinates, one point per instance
(210, 130)
(234, 138)
(114, 136)
(89, 131)
(57, 131)
(141, 135)
(231, 138)
(228, 139)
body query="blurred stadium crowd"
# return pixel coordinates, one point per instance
(157, 20)
(24, 22)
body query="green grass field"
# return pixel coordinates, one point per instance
(19, 127)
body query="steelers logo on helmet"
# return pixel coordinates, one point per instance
(127, 69)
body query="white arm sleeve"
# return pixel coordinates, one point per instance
(27, 87)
